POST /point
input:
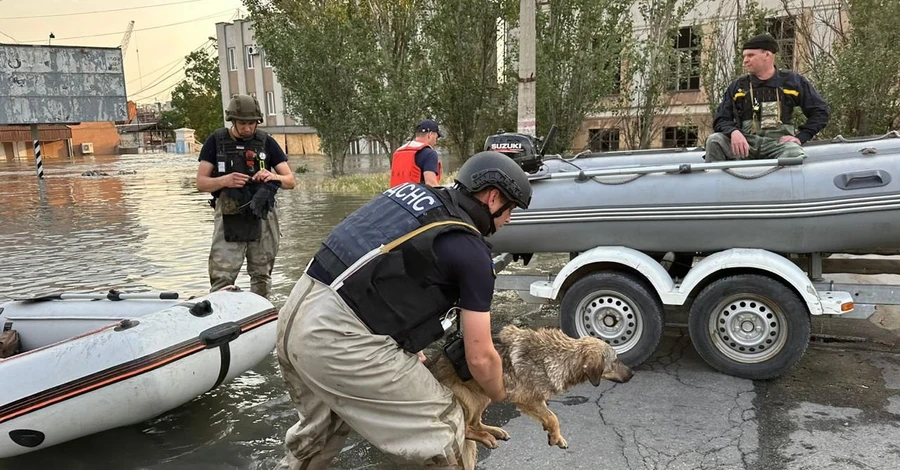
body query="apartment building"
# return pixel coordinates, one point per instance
(244, 69)
(687, 119)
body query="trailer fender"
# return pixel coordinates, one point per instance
(748, 258)
(649, 269)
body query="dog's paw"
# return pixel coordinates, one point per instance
(558, 441)
(485, 438)
(498, 433)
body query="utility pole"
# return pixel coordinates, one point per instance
(526, 115)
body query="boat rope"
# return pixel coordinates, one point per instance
(751, 177)
(613, 183)
(577, 155)
(841, 138)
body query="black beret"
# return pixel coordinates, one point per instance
(763, 41)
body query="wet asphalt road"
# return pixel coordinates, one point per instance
(838, 408)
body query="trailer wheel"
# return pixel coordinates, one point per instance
(617, 308)
(749, 326)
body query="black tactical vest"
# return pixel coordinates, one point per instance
(783, 88)
(245, 155)
(394, 293)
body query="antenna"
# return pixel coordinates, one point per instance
(550, 135)
(137, 53)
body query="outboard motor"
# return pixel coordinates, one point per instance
(520, 147)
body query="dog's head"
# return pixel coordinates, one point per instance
(601, 362)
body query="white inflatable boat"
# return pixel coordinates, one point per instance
(93, 362)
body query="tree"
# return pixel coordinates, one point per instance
(397, 82)
(722, 55)
(316, 47)
(171, 120)
(468, 99)
(349, 68)
(198, 98)
(852, 60)
(578, 50)
(649, 61)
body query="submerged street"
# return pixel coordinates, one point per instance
(839, 407)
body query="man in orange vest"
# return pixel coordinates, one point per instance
(417, 161)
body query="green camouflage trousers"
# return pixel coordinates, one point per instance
(342, 376)
(763, 145)
(226, 258)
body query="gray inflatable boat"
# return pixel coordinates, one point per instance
(845, 196)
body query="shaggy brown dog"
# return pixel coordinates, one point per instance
(537, 364)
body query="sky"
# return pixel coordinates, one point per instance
(164, 32)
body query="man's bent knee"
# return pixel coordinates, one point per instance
(717, 147)
(792, 150)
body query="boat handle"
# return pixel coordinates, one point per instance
(201, 309)
(862, 179)
(27, 437)
(220, 334)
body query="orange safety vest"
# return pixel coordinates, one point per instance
(403, 165)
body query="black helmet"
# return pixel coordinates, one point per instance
(493, 169)
(243, 108)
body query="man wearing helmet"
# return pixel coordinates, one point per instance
(243, 167)
(381, 288)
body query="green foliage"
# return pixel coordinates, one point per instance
(397, 79)
(171, 120)
(373, 183)
(467, 98)
(860, 77)
(315, 48)
(723, 58)
(648, 57)
(578, 61)
(349, 69)
(197, 99)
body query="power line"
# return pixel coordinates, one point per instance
(161, 91)
(14, 39)
(158, 82)
(173, 63)
(96, 11)
(141, 29)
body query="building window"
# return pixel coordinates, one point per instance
(249, 57)
(784, 31)
(266, 62)
(231, 63)
(603, 140)
(680, 137)
(270, 103)
(686, 60)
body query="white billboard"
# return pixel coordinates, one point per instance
(61, 84)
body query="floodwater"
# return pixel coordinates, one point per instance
(149, 230)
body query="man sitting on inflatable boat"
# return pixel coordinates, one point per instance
(754, 119)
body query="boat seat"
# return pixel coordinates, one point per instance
(9, 344)
(47, 322)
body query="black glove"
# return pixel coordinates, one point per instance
(264, 199)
